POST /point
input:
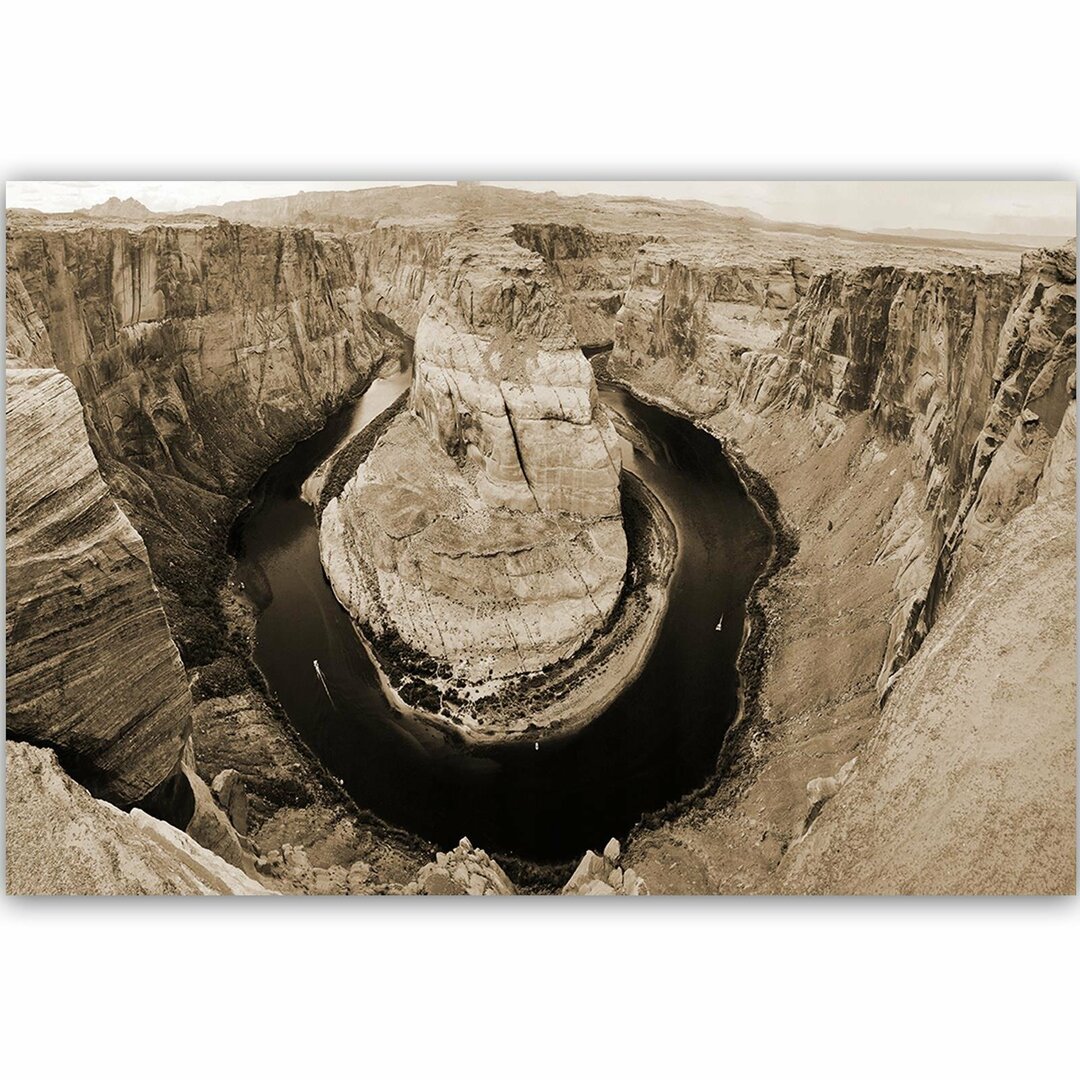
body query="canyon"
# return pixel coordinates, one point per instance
(903, 411)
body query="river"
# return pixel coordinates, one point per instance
(657, 741)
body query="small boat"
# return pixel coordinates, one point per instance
(322, 679)
(720, 624)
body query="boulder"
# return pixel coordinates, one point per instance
(231, 795)
(599, 875)
(464, 871)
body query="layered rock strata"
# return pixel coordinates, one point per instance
(686, 320)
(891, 519)
(200, 351)
(484, 529)
(955, 363)
(91, 667)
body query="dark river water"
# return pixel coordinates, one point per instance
(658, 740)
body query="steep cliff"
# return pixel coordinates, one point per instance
(954, 363)
(484, 528)
(686, 318)
(592, 268)
(903, 417)
(395, 268)
(969, 784)
(200, 352)
(91, 667)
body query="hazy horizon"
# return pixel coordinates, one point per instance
(1033, 207)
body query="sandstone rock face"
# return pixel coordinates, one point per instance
(61, 840)
(915, 348)
(230, 794)
(396, 266)
(485, 527)
(200, 352)
(593, 268)
(969, 784)
(969, 368)
(686, 319)
(91, 667)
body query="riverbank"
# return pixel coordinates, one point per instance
(736, 752)
(806, 712)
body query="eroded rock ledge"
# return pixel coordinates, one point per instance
(484, 530)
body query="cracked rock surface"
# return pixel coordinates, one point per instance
(485, 527)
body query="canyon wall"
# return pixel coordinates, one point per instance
(396, 267)
(686, 319)
(969, 783)
(957, 364)
(91, 667)
(485, 527)
(918, 428)
(200, 353)
(592, 269)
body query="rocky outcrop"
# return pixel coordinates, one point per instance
(61, 840)
(592, 268)
(119, 209)
(602, 875)
(969, 368)
(396, 266)
(464, 871)
(484, 529)
(91, 667)
(686, 319)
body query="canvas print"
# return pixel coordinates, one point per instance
(579, 538)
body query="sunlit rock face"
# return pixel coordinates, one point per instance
(485, 528)
(91, 667)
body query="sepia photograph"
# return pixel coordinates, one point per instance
(601, 539)
(539, 540)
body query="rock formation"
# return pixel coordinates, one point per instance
(969, 784)
(912, 404)
(91, 667)
(685, 320)
(602, 875)
(484, 529)
(953, 362)
(61, 840)
(464, 871)
(201, 351)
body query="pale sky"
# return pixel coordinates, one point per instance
(1009, 206)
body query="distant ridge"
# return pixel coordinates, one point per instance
(128, 209)
(1019, 240)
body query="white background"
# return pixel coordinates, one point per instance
(670, 987)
